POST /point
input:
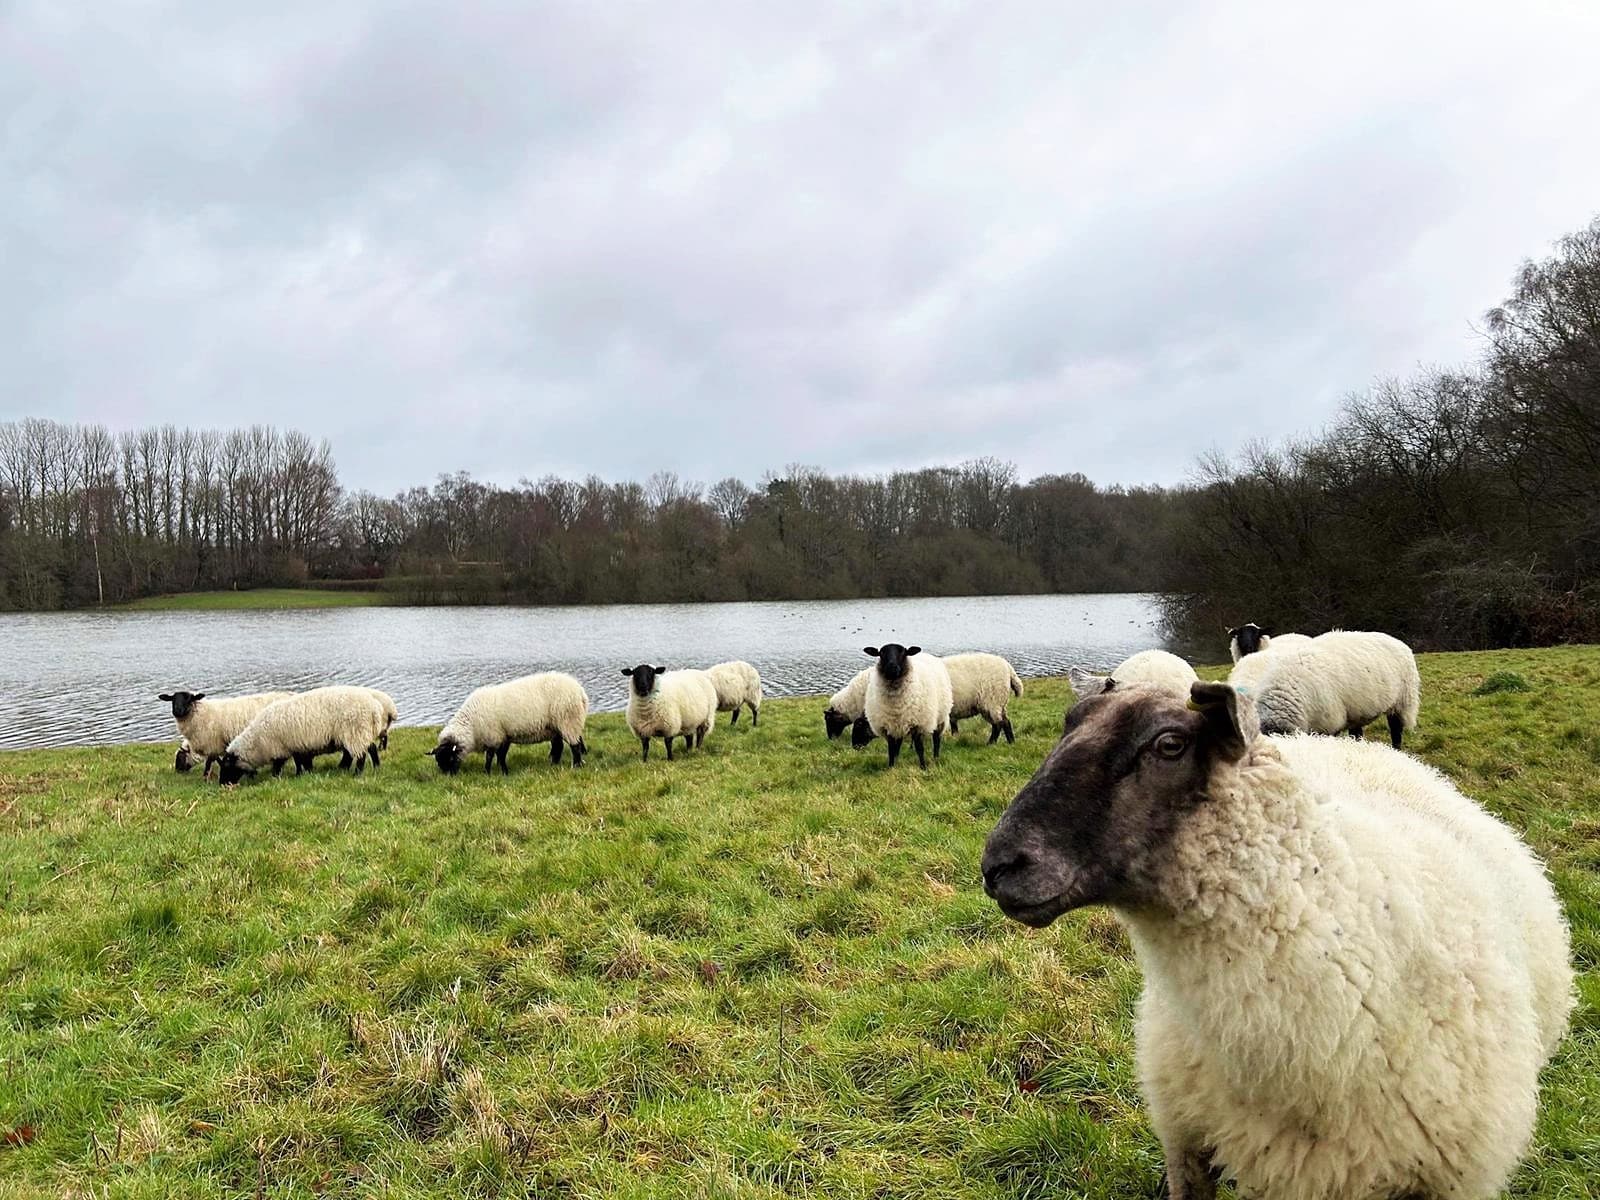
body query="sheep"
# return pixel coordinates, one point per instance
(847, 709)
(391, 714)
(1249, 670)
(207, 724)
(1249, 638)
(305, 761)
(668, 704)
(982, 685)
(348, 717)
(908, 698)
(1339, 683)
(738, 684)
(548, 707)
(1148, 668)
(1353, 973)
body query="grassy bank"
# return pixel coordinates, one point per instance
(254, 598)
(763, 970)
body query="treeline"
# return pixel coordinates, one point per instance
(1458, 508)
(87, 517)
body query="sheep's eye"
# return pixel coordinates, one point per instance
(1171, 745)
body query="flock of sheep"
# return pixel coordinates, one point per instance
(1353, 973)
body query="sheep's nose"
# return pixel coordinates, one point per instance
(995, 870)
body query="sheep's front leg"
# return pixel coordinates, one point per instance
(500, 757)
(699, 737)
(922, 753)
(669, 740)
(1190, 1175)
(645, 743)
(995, 729)
(734, 720)
(555, 750)
(1011, 735)
(894, 748)
(938, 736)
(372, 753)
(755, 716)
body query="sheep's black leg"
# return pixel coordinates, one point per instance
(1396, 728)
(938, 735)
(1355, 730)
(555, 749)
(955, 726)
(500, 756)
(302, 763)
(734, 720)
(360, 761)
(205, 773)
(277, 766)
(488, 759)
(995, 728)
(344, 760)
(916, 743)
(755, 716)
(578, 751)
(669, 740)
(699, 737)
(894, 748)
(1011, 735)
(372, 753)
(645, 742)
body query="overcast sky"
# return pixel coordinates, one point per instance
(617, 237)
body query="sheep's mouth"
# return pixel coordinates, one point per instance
(1037, 915)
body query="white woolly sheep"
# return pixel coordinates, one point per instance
(1340, 683)
(908, 695)
(351, 718)
(738, 685)
(548, 707)
(1249, 638)
(982, 685)
(668, 704)
(847, 708)
(1250, 669)
(1148, 668)
(208, 723)
(1353, 974)
(305, 762)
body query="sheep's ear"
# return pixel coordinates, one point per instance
(627, 670)
(1231, 720)
(197, 696)
(1086, 683)
(910, 650)
(872, 650)
(164, 696)
(659, 670)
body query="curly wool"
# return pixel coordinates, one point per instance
(1353, 981)
(350, 718)
(981, 685)
(681, 702)
(1342, 680)
(1249, 671)
(534, 708)
(737, 683)
(919, 703)
(214, 721)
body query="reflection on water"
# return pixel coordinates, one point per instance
(92, 678)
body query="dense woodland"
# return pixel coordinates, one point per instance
(1457, 507)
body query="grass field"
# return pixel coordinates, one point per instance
(763, 970)
(254, 598)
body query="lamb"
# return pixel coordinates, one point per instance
(738, 685)
(669, 704)
(548, 707)
(908, 698)
(1340, 683)
(982, 685)
(206, 724)
(1353, 974)
(1249, 638)
(1148, 668)
(847, 709)
(348, 717)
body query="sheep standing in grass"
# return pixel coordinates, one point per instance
(207, 724)
(1353, 974)
(669, 704)
(908, 695)
(847, 708)
(1148, 668)
(549, 707)
(738, 685)
(982, 685)
(348, 717)
(306, 761)
(1340, 683)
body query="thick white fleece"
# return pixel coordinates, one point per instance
(1249, 671)
(681, 702)
(350, 718)
(850, 701)
(215, 721)
(737, 682)
(1341, 680)
(1356, 982)
(918, 702)
(981, 685)
(1148, 668)
(1284, 641)
(534, 708)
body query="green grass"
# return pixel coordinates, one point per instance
(763, 970)
(254, 598)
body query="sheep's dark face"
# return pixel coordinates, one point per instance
(1090, 826)
(232, 770)
(644, 678)
(861, 733)
(1246, 639)
(182, 702)
(892, 656)
(835, 722)
(448, 755)
(183, 761)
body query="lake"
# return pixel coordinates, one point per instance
(83, 679)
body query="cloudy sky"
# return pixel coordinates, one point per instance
(718, 238)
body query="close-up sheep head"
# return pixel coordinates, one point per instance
(182, 702)
(448, 755)
(183, 761)
(1089, 827)
(892, 656)
(835, 722)
(644, 677)
(232, 770)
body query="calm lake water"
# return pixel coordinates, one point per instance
(92, 678)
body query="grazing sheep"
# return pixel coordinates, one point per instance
(669, 704)
(183, 761)
(548, 707)
(738, 684)
(1340, 683)
(1148, 668)
(1249, 638)
(847, 709)
(348, 717)
(208, 723)
(982, 685)
(908, 695)
(1353, 974)
(304, 762)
